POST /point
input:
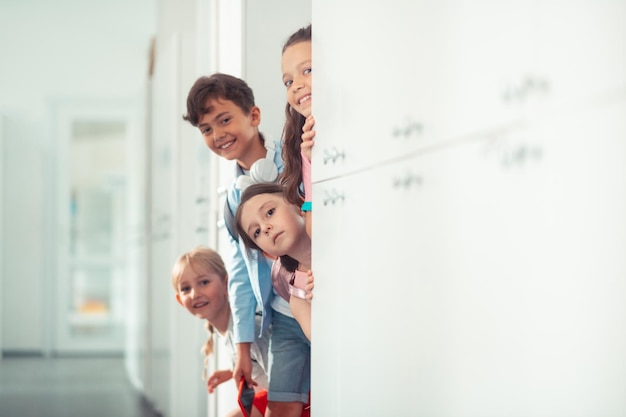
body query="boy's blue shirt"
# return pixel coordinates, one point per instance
(250, 281)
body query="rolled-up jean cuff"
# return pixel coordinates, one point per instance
(288, 397)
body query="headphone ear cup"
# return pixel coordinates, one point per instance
(243, 181)
(263, 170)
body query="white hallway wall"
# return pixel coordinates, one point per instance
(50, 52)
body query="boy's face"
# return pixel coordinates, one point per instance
(230, 133)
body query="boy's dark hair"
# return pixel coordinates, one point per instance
(291, 177)
(217, 86)
(288, 262)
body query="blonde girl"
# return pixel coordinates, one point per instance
(201, 284)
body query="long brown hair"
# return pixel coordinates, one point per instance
(291, 176)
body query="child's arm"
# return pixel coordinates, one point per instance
(301, 310)
(301, 307)
(243, 306)
(243, 364)
(305, 151)
(310, 285)
(307, 136)
(217, 378)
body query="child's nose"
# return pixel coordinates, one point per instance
(297, 84)
(218, 133)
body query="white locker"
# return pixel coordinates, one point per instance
(475, 266)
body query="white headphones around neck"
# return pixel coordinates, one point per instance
(263, 170)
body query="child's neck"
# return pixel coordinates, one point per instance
(303, 256)
(254, 153)
(302, 252)
(221, 323)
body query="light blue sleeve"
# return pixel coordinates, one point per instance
(242, 299)
(243, 302)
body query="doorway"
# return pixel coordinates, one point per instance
(90, 234)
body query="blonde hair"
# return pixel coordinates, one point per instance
(200, 259)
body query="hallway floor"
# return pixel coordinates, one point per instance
(68, 387)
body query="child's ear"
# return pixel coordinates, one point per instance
(255, 116)
(178, 299)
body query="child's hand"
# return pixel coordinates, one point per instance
(217, 378)
(309, 286)
(307, 136)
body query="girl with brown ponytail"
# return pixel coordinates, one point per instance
(298, 132)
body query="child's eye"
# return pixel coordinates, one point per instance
(270, 212)
(256, 233)
(206, 130)
(184, 289)
(204, 282)
(225, 120)
(307, 71)
(288, 83)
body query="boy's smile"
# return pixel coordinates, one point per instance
(232, 134)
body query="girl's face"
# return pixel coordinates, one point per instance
(276, 226)
(296, 66)
(204, 294)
